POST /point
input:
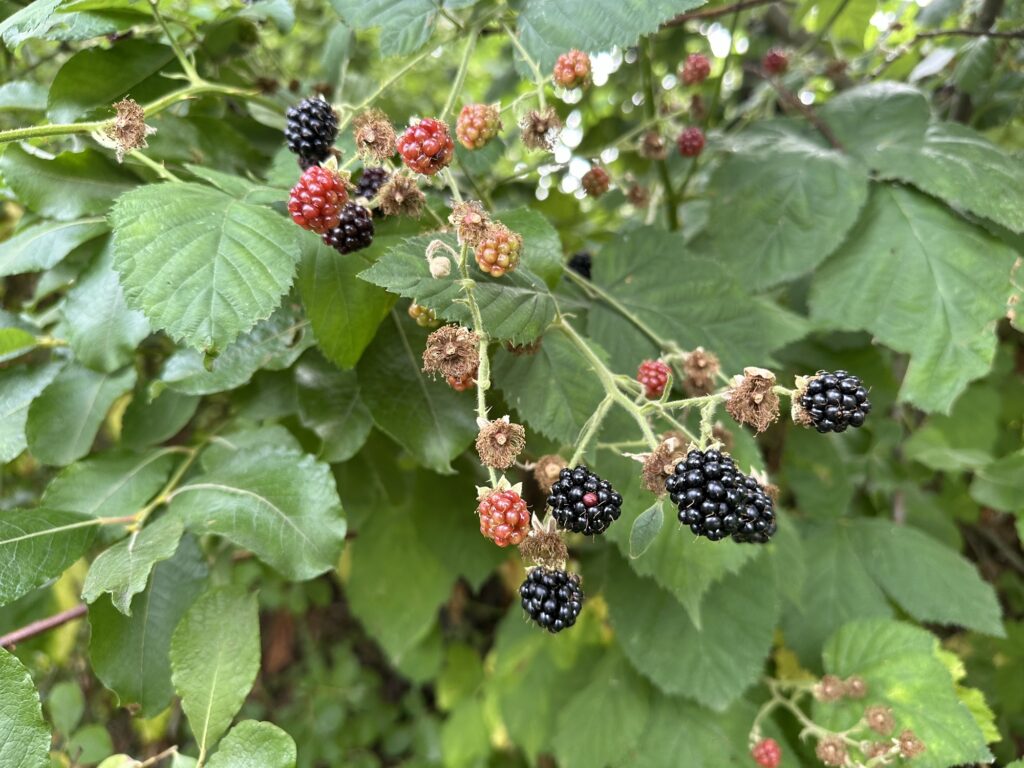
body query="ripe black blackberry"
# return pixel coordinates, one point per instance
(354, 232)
(756, 515)
(312, 127)
(580, 263)
(370, 182)
(835, 401)
(584, 503)
(552, 598)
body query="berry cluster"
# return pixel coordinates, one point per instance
(310, 130)
(498, 251)
(354, 230)
(477, 125)
(690, 142)
(654, 375)
(426, 146)
(582, 502)
(596, 181)
(716, 500)
(767, 753)
(316, 200)
(504, 517)
(696, 69)
(835, 401)
(572, 69)
(552, 598)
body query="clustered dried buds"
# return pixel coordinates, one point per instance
(910, 746)
(752, 399)
(546, 471)
(500, 442)
(854, 687)
(880, 720)
(540, 129)
(831, 751)
(829, 688)
(653, 146)
(374, 135)
(470, 221)
(700, 369)
(545, 548)
(660, 464)
(129, 129)
(452, 351)
(401, 196)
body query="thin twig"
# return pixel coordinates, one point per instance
(43, 625)
(1013, 34)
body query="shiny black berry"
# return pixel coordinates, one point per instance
(580, 263)
(582, 502)
(756, 515)
(370, 182)
(835, 401)
(311, 130)
(354, 232)
(552, 598)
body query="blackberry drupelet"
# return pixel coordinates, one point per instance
(756, 515)
(835, 401)
(354, 231)
(552, 598)
(370, 182)
(581, 263)
(311, 130)
(584, 503)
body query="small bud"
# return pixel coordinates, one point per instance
(831, 751)
(829, 688)
(546, 471)
(855, 687)
(752, 399)
(700, 368)
(452, 351)
(880, 719)
(374, 135)
(540, 129)
(910, 746)
(500, 442)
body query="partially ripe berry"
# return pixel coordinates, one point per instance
(462, 383)
(477, 125)
(504, 518)
(426, 146)
(653, 374)
(498, 251)
(572, 69)
(596, 181)
(767, 753)
(775, 62)
(690, 141)
(316, 200)
(696, 69)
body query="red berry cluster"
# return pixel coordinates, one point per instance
(653, 374)
(426, 146)
(775, 62)
(767, 753)
(498, 251)
(504, 518)
(477, 125)
(596, 181)
(572, 69)
(696, 69)
(316, 200)
(690, 141)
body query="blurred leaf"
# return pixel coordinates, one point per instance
(66, 705)
(964, 439)
(26, 23)
(330, 405)
(405, 25)
(14, 342)
(879, 121)
(43, 245)
(26, 741)
(974, 64)
(22, 94)
(110, 484)
(251, 744)
(1000, 484)
(37, 545)
(465, 739)
(18, 388)
(819, 472)
(90, 744)
(149, 422)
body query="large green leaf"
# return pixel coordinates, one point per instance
(252, 744)
(41, 246)
(38, 544)
(921, 288)
(816, 195)
(64, 419)
(18, 388)
(426, 417)
(152, 421)
(819, 472)
(965, 438)
(330, 405)
(215, 655)
(1000, 484)
(26, 741)
(405, 25)
(32, 20)
(878, 122)
(22, 94)
(279, 504)
(110, 484)
(200, 264)
(130, 654)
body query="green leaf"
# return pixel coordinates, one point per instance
(97, 77)
(465, 738)
(22, 94)
(909, 261)
(645, 529)
(430, 420)
(1000, 485)
(14, 342)
(37, 545)
(215, 655)
(405, 25)
(964, 439)
(252, 744)
(26, 742)
(64, 419)
(28, 22)
(819, 473)
(345, 311)
(111, 484)
(102, 331)
(18, 388)
(90, 744)
(974, 64)
(902, 668)
(246, 439)
(279, 504)
(130, 654)
(124, 569)
(878, 122)
(817, 194)
(152, 421)
(330, 405)
(549, 29)
(68, 187)
(201, 265)
(66, 705)
(43, 245)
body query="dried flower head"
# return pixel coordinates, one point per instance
(521, 350)
(831, 751)
(452, 351)
(638, 195)
(401, 196)
(880, 719)
(544, 546)
(910, 746)
(653, 146)
(872, 749)
(829, 688)
(854, 687)
(129, 129)
(500, 442)
(546, 470)
(470, 221)
(796, 411)
(700, 369)
(540, 128)
(751, 399)
(660, 464)
(374, 135)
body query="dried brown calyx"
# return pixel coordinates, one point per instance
(452, 351)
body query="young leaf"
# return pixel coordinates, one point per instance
(37, 545)
(26, 741)
(215, 655)
(18, 388)
(14, 342)
(645, 529)
(252, 744)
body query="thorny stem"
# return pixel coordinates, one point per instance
(590, 429)
(651, 110)
(460, 75)
(538, 76)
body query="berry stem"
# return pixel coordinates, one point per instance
(590, 429)
(186, 63)
(538, 76)
(165, 494)
(707, 423)
(790, 703)
(651, 110)
(460, 75)
(158, 168)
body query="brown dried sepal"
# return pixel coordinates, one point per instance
(700, 370)
(752, 400)
(545, 548)
(470, 221)
(831, 751)
(660, 463)
(653, 146)
(796, 411)
(546, 471)
(500, 442)
(880, 720)
(452, 351)
(401, 196)
(129, 129)
(910, 746)
(540, 128)
(374, 135)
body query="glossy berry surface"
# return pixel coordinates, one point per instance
(581, 263)
(775, 62)
(354, 231)
(551, 598)
(654, 375)
(504, 518)
(572, 69)
(582, 502)
(696, 69)
(498, 251)
(316, 200)
(310, 130)
(690, 142)
(370, 182)
(767, 753)
(596, 181)
(424, 316)
(477, 125)
(835, 401)
(426, 146)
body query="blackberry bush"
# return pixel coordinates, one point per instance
(582, 502)
(551, 598)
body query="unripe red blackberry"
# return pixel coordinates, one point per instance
(596, 181)
(310, 130)
(834, 401)
(477, 125)
(354, 231)
(462, 383)
(696, 69)
(690, 142)
(582, 502)
(775, 62)
(316, 200)
(767, 753)
(504, 518)
(654, 375)
(572, 69)
(426, 146)
(552, 598)
(498, 251)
